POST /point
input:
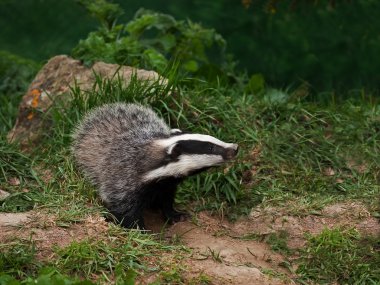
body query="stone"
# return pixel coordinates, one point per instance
(56, 78)
(3, 195)
(13, 219)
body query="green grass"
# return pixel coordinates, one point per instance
(18, 258)
(16, 73)
(341, 255)
(87, 258)
(116, 257)
(13, 163)
(293, 153)
(43, 279)
(17, 177)
(291, 149)
(278, 242)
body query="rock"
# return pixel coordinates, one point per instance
(14, 181)
(54, 79)
(3, 195)
(13, 219)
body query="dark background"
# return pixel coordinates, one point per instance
(333, 45)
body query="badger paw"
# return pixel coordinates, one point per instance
(175, 217)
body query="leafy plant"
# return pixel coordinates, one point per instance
(105, 12)
(152, 40)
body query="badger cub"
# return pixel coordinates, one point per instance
(136, 161)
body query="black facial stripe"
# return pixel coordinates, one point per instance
(199, 147)
(179, 133)
(176, 134)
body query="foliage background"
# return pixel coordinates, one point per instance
(297, 155)
(334, 47)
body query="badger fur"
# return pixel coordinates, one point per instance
(136, 160)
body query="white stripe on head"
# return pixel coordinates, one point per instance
(175, 131)
(196, 137)
(185, 164)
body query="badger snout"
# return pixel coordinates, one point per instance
(232, 151)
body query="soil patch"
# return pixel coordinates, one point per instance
(227, 260)
(263, 221)
(219, 249)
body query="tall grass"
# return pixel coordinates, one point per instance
(293, 153)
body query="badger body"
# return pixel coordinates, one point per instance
(136, 161)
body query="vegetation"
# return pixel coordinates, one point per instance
(15, 75)
(343, 256)
(332, 45)
(292, 150)
(18, 259)
(149, 41)
(297, 153)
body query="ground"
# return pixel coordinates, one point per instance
(300, 204)
(225, 252)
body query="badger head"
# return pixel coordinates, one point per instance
(186, 154)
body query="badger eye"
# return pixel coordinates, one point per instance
(211, 148)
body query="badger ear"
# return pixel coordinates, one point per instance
(175, 132)
(174, 151)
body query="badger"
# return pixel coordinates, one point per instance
(136, 161)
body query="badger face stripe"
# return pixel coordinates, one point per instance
(166, 143)
(175, 132)
(183, 166)
(196, 147)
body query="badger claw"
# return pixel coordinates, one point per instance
(175, 217)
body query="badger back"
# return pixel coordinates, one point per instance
(114, 138)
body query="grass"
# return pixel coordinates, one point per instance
(342, 256)
(215, 255)
(13, 163)
(101, 258)
(291, 149)
(118, 256)
(15, 75)
(44, 279)
(115, 256)
(278, 242)
(294, 153)
(18, 258)
(17, 174)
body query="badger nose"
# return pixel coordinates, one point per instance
(236, 149)
(232, 152)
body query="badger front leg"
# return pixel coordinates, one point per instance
(171, 214)
(129, 217)
(164, 200)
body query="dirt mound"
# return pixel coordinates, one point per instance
(225, 259)
(263, 221)
(220, 250)
(43, 230)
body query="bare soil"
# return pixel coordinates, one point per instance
(219, 249)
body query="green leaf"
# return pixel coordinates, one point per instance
(155, 59)
(107, 13)
(256, 83)
(168, 41)
(275, 96)
(191, 65)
